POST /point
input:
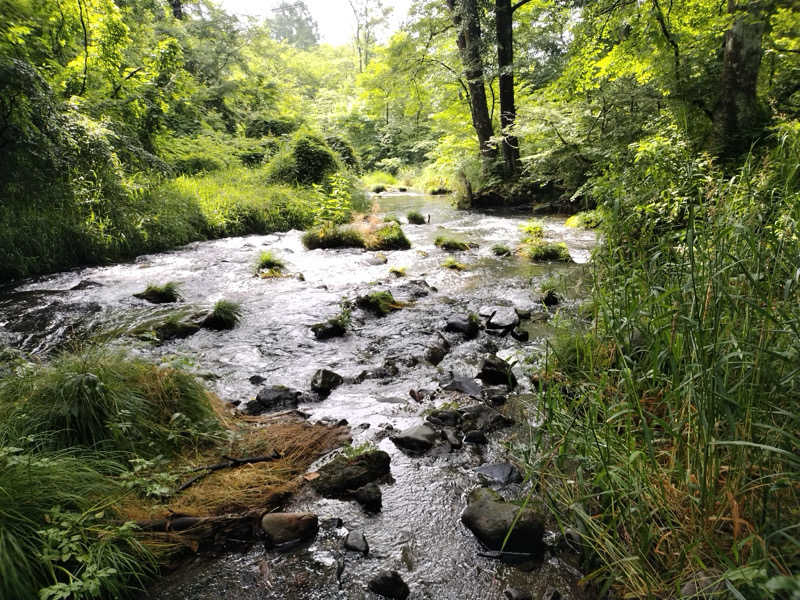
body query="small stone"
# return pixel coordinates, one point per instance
(341, 476)
(495, 395)
(449, 418)
(417, 439)
(465, 385)
(282, 529)
(328, 329)
(550, 298)
(449, 435)
(483, 418)
(520, 334)
(435, 354)
(369, 497)
(495, 371)
(325, 381)
(331, 523)
(469, 328)
(475, 437)
(273, 398)
(357, 542)
(502, 317)
(389, 584)
(515, 594)
(256, 380)
(502, 473)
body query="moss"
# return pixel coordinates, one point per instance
(160, 294)
(332, 236)
(415, 218)
(450, 244)
(389, 237)
(452, 263)
(533, 229)
(379, 303)
(501, 250)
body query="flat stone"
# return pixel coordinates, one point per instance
(357, 542)
(417, 439)
(325, 381)
(483, 418)
(176, 330)
(342, 476)
(496, 395)
(520, 334)
(449, 418)
(370, 498)
(465, 385)
(288, 528)
(501, 473)
(490, 519)
(502, 317)
(389, 584)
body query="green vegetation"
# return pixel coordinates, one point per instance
(387, 237)
(379, 303)
(533, 229)
(415, 218)
(305, 160)
(450, 244)
(160, 294)
(391, 219)
(269, 265)
(452, 263)
(589, 219)
(224, 315)
(378, 179)
(332, 236)
(397, 271)
(543, 250)
(501, 250)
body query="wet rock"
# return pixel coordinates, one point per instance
(282, 529)
(416, 440)
(256, 379)
(370, 498)
(272, 398)
(468, 327)
(325, 381)
(449, 435)
(524, 312)
(331, 523)
(435, 354)
(475, 437)
(342, 476)
(86, 284)
(449, 418)
(387, 370)
(490, 518)
(495, 371)
(157, 296)
(357, 542)
(550, 298)
(495, 395)
(416, 288)
(520, 334)
(499, 473)
(379, 258)
(465, 385)
(328, 329)
(488, 346)
(551, 594)
(483, 418)
(515, 594)
(389, 584)
(176, 330)
(502, 317)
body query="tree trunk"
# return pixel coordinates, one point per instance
(467, 22)
(739, 117)
(177, 8)
(505, 62)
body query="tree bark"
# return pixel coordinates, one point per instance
(739, 117)
(505, 62)
(467, 22)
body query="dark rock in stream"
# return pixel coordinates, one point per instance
(357, 542)
(341, 477)
(325, 381)
(495, 371)
(495, 395)
(483, 418)
(389, 584)
(550, 298)
(469, 328)
(465, 385)
(475, 437)
(520, 334)
(256, 379)
(448, 418)
(176, 330)
(273, 398)
(490, 518)
(415, 440)
(370, 498)
(450, 436)
(499, 473)
(435, 354)
(328, 329)
(515, 594)
(287, 529)
(86, 284)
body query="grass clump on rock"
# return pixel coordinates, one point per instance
(453, 264)
(389, 237)
(543, 250)
(589, 219)
(450, 244)
(415, 218)
(160, 294)
(329, 235)
(398, 271)
(269, 265)
(225, 315)
(379, 303)
(501, 250)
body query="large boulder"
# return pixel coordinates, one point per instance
(468, 327)
(341, 477)
(389, 584)
(415, 440)
(495, 371)
(272, 398)
(357, 542)
(283, 529)
(490, 518)
(325, 381)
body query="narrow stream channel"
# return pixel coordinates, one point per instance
(418, 533)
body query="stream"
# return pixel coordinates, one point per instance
(418, 533)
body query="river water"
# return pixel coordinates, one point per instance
(418, 533)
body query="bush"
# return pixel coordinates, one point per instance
(102, 400)
(305, 160)
(415, 218)
(346, 152)
(590, 219)
(262, 126)
(375, 179)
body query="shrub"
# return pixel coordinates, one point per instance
(333, 236)
(378, 178)
(305, 160)
(262, 126)
(388, 237)
(590, 219)
(532, 230)
(415, 218)
(450, 244)
(225, 315)
(160, 294)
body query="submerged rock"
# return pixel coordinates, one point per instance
(369, 496)
(325, 381)
(272, 398)
(282, 529)
(342, 476)
(389, 584)
(495, 371)
(416, 440)
(490, 518)
(328, 329)
(357, 542)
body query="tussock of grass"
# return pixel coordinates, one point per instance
(389, 237)
(269, 265)
(225, 315)
(533, 230)
(501, 250)
(542, 250)
(391, 219)
(160, 294)
(398, 271)
(450, 244)
(332, 236)
(379, 303)
(453, 264)
(415, 218)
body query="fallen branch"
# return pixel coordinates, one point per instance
(229, 463)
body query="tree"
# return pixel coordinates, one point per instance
(371, 17)
(294, 25)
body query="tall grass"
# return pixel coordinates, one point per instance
(671, 430)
